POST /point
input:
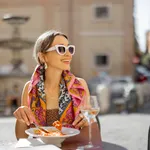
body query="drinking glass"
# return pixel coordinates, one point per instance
(90, 108)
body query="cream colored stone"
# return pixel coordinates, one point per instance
(113, 37)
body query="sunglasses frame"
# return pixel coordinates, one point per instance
(57, 46)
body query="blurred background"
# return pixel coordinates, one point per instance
(110, 54)
(112, 39)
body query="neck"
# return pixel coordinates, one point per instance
(52, 77)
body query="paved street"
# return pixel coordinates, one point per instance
(128, 131)
(119, 131)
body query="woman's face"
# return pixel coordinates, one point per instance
(55, 60)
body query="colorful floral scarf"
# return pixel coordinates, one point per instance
(37, 100)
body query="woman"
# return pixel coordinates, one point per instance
(53, 93)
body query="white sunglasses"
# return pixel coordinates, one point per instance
(61, 49)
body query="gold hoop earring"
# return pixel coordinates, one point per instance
(45, 66)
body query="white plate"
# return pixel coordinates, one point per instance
(55, 140)
(67, 131)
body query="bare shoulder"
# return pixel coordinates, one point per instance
(84, 84)
(25, 93)
(27, 84)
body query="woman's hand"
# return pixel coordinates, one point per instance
(80, 122)
(24, 114)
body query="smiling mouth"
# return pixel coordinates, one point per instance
(66, 61)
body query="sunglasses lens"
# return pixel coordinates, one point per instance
(61, 49)
(71, 49)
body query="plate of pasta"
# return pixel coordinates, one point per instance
(54, 136)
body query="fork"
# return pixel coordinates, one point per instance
(40, 128)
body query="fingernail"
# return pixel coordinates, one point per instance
(73, 124)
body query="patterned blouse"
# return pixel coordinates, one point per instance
(64, 99)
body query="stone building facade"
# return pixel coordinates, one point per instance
(102, 31)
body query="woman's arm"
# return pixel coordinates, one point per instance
(83, 137)
(23, 115)
(79, 121)
(88, 94)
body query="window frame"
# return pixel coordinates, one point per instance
(102, 64)
(102, 67)
(94, 18)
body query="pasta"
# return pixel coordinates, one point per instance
(52, 132)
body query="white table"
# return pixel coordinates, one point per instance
(26, 144)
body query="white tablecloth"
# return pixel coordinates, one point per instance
(27, 144)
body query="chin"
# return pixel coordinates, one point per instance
(66, 68)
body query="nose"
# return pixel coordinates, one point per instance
(68, 53)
